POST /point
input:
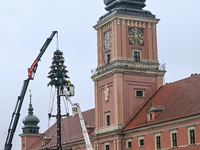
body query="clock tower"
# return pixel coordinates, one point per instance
(128, 69)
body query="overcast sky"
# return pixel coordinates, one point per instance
(25, 25)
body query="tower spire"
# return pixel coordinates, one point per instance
(30, 122)
(30, 109)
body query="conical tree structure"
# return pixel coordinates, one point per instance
(58, 76)
(58, 72)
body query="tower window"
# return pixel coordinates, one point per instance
(107, 146)
(136, 56)
(107, 118)
(139, 92)
(108, 58)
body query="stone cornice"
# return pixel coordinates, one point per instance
(106, 129)
(146, 67)
(166, 123)
(114, 17)
(22, 135)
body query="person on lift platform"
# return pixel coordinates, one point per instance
(68, 84)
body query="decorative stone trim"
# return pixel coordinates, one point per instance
(109, 128)
(135, 21)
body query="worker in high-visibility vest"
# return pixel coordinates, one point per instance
(69, 83)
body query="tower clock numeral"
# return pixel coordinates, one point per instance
(136, 36)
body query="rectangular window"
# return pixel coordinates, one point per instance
(108, 120)
(150, 116)
(158, 142)
(107, 147)
(174, 139)
(108, 58)
(139, 92)
(129, 143)
(192, 137)
(136, 56)
(141, 141)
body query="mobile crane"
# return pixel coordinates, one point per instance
(67, 92)
(31, 74)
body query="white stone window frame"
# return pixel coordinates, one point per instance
(156, 135)
(138, 89)
(189, 139)
(106, 114)
(171, 137)
(137, 50)
(141, 138)
(127, 141)
(105, 144)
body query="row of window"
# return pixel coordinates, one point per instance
(136, 56)
(158, 143)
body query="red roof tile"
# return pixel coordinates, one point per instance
(180, 99)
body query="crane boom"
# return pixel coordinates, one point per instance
(82, 122)
(68, 91)
(16, 113)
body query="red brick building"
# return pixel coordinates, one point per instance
(133, 109)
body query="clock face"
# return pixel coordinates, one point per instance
(107, 39)
(136, 36)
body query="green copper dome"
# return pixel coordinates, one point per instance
(30, 122)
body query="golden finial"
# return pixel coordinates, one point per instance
(30, 93)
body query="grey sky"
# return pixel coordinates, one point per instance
(25, 25)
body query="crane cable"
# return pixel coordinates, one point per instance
(51, 104)
(57, 44)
